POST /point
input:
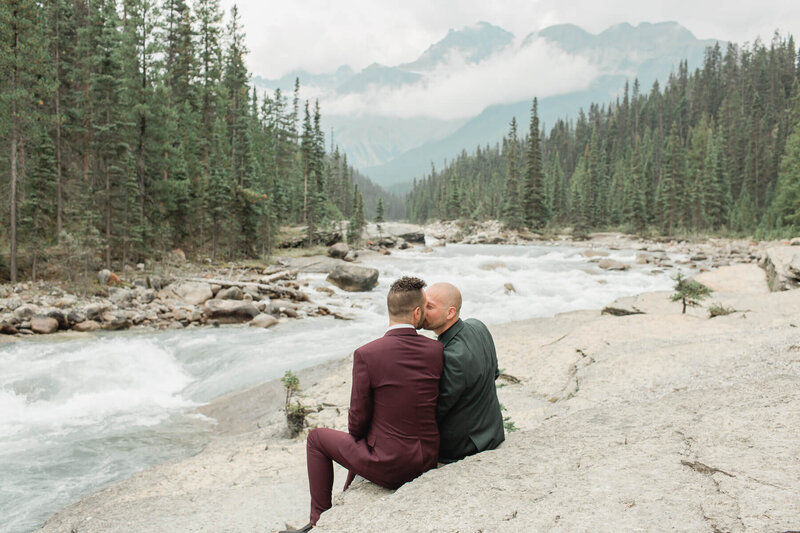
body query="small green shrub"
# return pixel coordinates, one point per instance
(718, 309)
(295, 411)
(689, 291)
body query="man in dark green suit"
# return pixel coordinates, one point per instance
(467, 411)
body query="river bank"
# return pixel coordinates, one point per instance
(644, 421)
(179, 294)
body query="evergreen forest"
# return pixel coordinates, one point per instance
(714, 151)
(130, 128)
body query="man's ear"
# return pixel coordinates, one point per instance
(451, 312)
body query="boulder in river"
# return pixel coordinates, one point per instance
(116, 323)
(60, 317)
(86, 325)
(414, 236)
(190, 292)
(230, 311)
(338, 250)
(229, 293)
(44, 325)
(25, 311)
(95, 310)
(263, 320)
(353, 278)
(611, 264)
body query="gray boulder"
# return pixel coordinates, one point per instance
(75, 316)
(414, 236)
(351, 256)
(86, 326)
(782, 265)
(24, 312)
(95, 311)
(230, 293)
(12, 304)
(116, 323)
(119, 296)
(190, 292)
(44, 325)
(338, 250)
(263, 320)
(147, 296)
(611, 264)
(230, 311)
(60, 317)
(353, 278)
(66, 301)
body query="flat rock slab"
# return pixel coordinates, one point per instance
(659, 421)
(742, 279)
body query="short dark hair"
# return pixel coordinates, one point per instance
(405, 295)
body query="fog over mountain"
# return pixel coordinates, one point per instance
(395, 121)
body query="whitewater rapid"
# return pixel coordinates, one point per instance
(77, 415)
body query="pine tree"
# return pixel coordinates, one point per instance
(535, 201)
(512, 214)
(24, 88)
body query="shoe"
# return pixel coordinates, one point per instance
(305, 529)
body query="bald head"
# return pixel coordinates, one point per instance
(442, 308)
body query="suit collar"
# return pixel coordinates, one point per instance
(451, 332)
(401, 331)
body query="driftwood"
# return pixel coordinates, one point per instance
(272, 289)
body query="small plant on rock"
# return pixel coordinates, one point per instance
(718, 309)
(294, 410)
(689, 291)
(508, 424)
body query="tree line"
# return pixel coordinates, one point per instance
(716, 150)
(130, 128)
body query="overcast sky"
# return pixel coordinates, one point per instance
(321, 35)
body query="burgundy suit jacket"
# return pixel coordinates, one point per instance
(393, 406)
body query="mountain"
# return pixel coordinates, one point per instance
(374, 139)
(393, 137)
(474, 44)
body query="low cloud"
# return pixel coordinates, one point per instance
(458, 89)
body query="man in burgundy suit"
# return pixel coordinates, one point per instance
(392, 435)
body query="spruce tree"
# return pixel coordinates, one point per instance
(24, 87)
(535, 200)
(512, 214)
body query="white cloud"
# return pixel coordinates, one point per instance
(320, 35)
(459, 89)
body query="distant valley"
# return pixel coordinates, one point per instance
(394, 122)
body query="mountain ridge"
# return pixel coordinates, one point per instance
(392, 150)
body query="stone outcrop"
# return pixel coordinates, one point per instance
(354, 278)
(782, 264)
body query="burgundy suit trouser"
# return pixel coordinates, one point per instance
(322, 447)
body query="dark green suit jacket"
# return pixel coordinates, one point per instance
(468, 412)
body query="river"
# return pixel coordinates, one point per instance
(79, 414)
